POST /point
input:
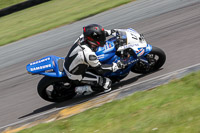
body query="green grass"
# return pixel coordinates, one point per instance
(7, 3)
(50, 15)
(171, 108)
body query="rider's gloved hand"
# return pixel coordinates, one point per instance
(118, 65)
(110, 32)
(121, 65)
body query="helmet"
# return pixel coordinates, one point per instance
(94, 35)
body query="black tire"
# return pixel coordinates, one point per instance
(158, 61)
(65, 93)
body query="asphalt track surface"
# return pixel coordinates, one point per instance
(172, 25)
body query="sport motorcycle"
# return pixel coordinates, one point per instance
(128, 46)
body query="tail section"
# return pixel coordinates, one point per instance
(49, 66)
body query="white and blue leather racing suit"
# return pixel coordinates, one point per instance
(80, 58)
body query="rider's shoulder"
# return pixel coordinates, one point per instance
(80, 39)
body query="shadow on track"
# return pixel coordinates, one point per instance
(81, 99)
(69, 103)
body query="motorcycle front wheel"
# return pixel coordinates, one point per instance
(156, 59)
(55, 89)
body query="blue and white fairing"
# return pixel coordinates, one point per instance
(136, 42)
(133, 40)
(46, 66)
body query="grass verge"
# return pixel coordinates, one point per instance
(167, 109)
(49, 15)
(7, 3)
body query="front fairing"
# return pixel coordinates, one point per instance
(134, 41)
(130, 39)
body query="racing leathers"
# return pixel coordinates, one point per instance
(79, 59)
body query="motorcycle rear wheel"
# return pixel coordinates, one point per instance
(156, 58)
(55, 89)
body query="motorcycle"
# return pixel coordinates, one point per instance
(128, 46)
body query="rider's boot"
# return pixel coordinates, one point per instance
(84, 90)
(105, 83)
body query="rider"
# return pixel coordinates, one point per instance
(82, 55)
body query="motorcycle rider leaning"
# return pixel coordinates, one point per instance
(82, 55)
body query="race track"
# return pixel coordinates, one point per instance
(173, 25)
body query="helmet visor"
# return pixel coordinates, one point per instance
(101, 39)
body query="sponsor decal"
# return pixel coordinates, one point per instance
(133, 36)
(100, 56)
(140, 52)
(41, 67)
(107, 46)
(132, 61)
(130, 46)
(40, 61)
(110, 45)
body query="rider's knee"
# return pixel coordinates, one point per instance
(105, 82)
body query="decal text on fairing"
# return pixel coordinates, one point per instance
(130, 46)
(40, 67)
(100, 56)
(140, 52)
(40, 61)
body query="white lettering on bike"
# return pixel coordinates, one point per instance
(40, 61)
(129, 46)
(41, 67)
(100, 56)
